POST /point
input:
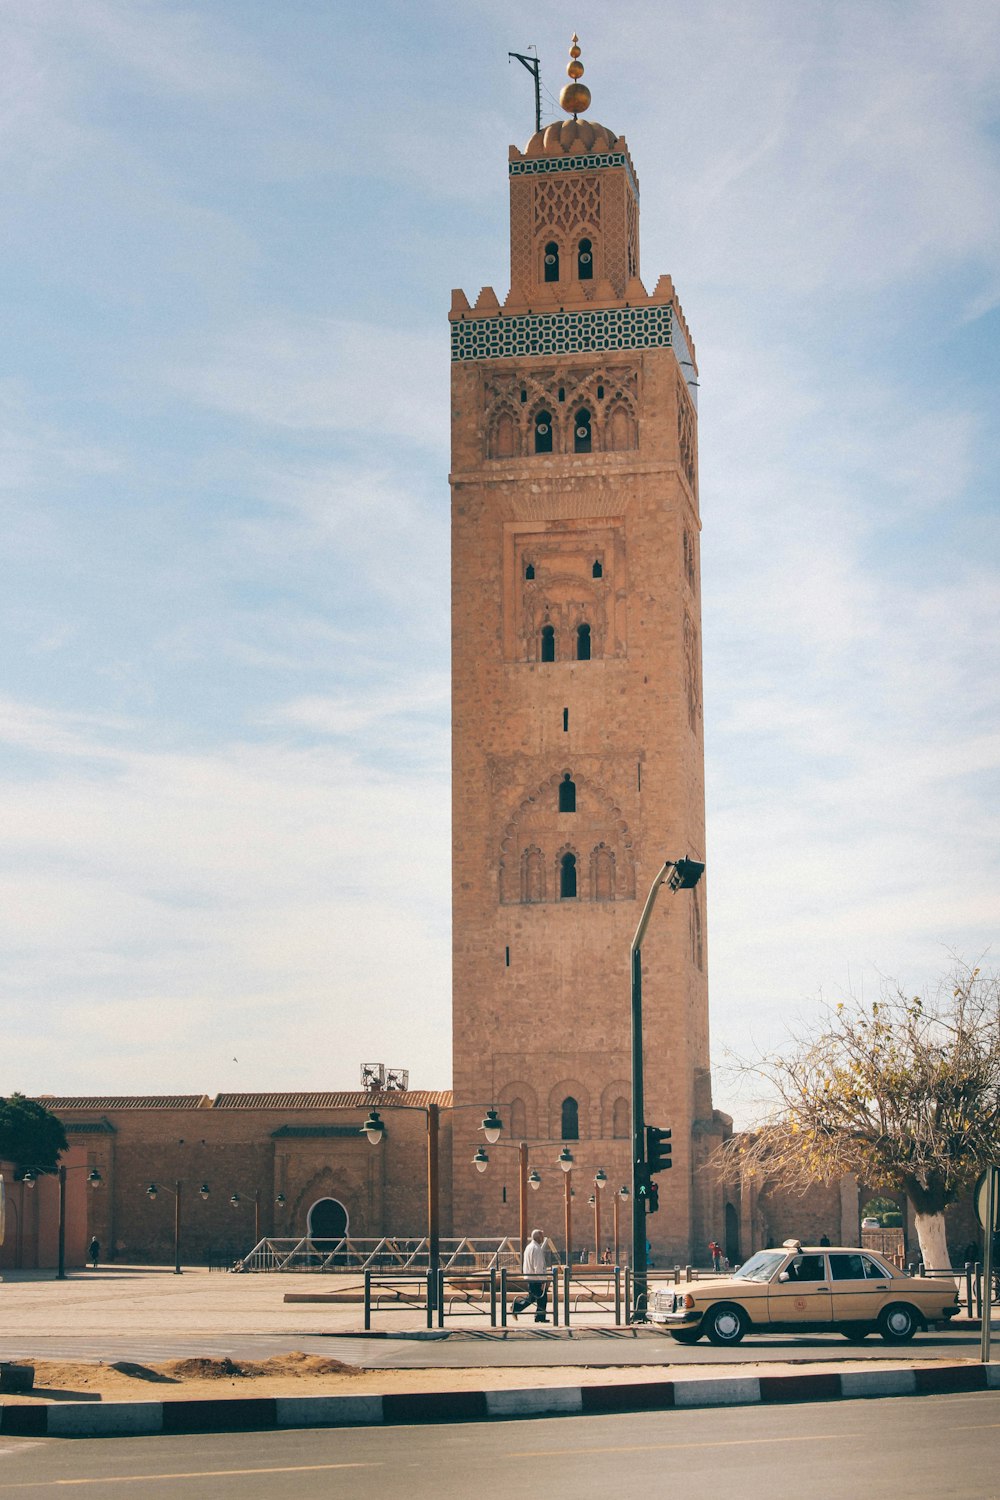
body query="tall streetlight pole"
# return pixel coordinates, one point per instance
(680, 875)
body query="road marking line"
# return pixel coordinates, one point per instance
(816, 1437)
(194, 1474)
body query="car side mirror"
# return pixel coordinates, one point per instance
(784, 1276)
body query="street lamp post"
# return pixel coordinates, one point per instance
(152, 1192)
(566, 1162)
(30, 1177)
(525, 1180)
(374, 1129)
(679, 874)
(622, 1196)
(600, 1179)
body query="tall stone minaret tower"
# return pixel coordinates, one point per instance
(577, 700)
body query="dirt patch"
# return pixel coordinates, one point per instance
(305, 1366)
(285, 1375)
(299, 1374)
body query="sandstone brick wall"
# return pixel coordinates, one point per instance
(246, 1151)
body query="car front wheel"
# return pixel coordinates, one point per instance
(725, 1324)
(897, 1324)
(686, 1335)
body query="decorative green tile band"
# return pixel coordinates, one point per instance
(532, 165)
(562, 333)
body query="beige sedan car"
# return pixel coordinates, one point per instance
(806, 1288)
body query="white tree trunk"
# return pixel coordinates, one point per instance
(933, 1241)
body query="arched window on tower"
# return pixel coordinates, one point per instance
(570, 1120)
(583, 643)
(620, 1119)
(543, 432)
(567, 794)
(585, 261)
(518, 1120)
(551, 261)
(529, 571)
(567, 877)
(597, 571)
(581, 431)
(548, 643)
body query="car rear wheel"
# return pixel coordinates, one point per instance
(725, 1324)
(857, 1334)
(686, 1335)
(897, 1324)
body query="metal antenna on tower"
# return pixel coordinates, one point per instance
(531, 63)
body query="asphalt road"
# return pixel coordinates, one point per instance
(463, 1351)
(929, 1448)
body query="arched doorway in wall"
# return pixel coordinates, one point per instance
(732, 1235)
(328, 1220)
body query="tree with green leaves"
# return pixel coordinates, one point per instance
(903, 1092)
(30, 1135)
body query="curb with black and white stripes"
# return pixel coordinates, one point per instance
(260, 1413)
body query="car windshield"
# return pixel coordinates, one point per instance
(762, 1266)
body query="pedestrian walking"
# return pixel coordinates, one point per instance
(715, 1252)
(535, 1267)
(94, 1252)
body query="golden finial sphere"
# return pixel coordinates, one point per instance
(575, 98)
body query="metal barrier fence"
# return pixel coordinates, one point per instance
(968, 1279)
(489, 1293)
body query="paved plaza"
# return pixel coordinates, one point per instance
(150, 1314)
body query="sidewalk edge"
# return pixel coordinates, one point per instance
(268, 1413)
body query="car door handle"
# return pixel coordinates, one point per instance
(822, 1289)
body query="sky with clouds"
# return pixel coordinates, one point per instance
(231, 230)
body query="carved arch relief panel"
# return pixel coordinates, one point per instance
(686, 437)
(512, 401)
(564, 590)
(692, 672)
(551, 856)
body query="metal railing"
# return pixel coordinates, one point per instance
(489, 1293)
(968, 1279)
(389, 1253)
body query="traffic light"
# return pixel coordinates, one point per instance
(658, 1149)
(643, 1185)
(653, 1201)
